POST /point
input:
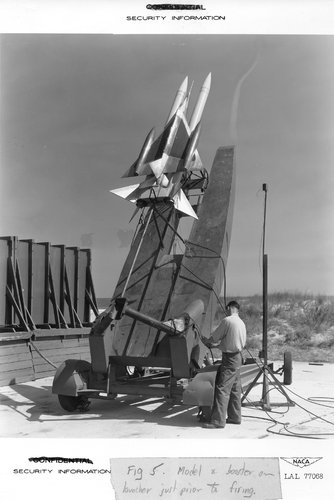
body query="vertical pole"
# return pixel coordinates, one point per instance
(264, 188)
(46, 319)
(265, 310)
(264, 284)
(265, 387)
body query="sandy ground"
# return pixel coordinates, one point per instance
(31, 410)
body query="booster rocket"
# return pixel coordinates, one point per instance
(165, 159)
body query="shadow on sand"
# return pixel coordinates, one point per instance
(39, 402)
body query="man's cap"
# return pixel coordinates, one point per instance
(233, 303)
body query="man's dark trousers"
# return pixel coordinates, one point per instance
(227, 396)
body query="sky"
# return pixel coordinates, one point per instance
(77, 108)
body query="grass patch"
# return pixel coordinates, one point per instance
(300, 323)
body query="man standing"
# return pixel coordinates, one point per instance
(230, 338)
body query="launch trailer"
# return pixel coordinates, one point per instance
(178, 380)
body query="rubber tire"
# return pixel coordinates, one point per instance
(70, 403)
(287, 368)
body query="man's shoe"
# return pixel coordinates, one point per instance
(229, 421)
(202, 418)
(209, 425)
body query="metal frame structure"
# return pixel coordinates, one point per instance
(45, 286)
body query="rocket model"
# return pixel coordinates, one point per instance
(165, 160)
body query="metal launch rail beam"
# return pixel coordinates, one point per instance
(44, 285)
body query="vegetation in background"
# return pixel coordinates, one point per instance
(300, 323)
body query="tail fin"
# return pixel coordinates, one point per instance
(126, 192)
(157, 167)
(182, 204)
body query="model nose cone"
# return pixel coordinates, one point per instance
(179, 98)
(207, 82)
(198, 110)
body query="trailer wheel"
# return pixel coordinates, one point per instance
(287, 368)
(72, 403)
(112, 395)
